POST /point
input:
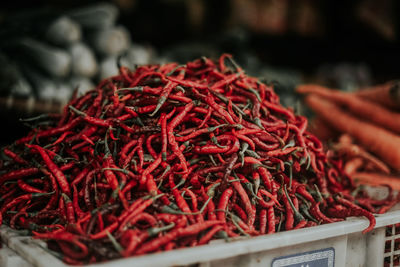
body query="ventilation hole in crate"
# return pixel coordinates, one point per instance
(397, 229)
(388, 246)
(396, 245)
(389, 230)
(396, 260)
(387, 262)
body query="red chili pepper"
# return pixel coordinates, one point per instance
(133, 213)
(28, 188)
(151, 185)
(92, 120)
(206, 238)
(301, 189)
(180, 201)
(149, 147)
(164, 136)
(50, 132)
(298, 217)
(263, 221)
(109, 229)
(231, 147)
(58, 174)
(140, 150)
(125, 150)
(75, 203)
(53, 200)
(246, 201)
(175, 149)
(176, 233)
(239, 211)
(316, 212)
(272, 202)
(208, 204)
(149, 170)
(271, 220)
(80, 176)
(193, 198)
(69, 208)
(198, 132)
(301, 224)
(188, 83)
(226, 80)
(136, 239)
(142, 76)
(210, 101)
(20, 199)
(131, 112)
(223, 203)
(166, 91)
(355, 210)
(68, 237)
(110, 176)
(62, 138)
(18, 174)
(14, 156)
(289, 217)
(88, 179)
(143, 217)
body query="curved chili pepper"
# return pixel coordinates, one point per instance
(14, 156)
(18, 174)
(136, 240)
(188, 83)
(28, 188)
(206, 238)
(210, 101)
(354, 210)
(50, 132)
(91, 120)
(166, 91)
(61, 179)
(69, 208)
(20, 199)
(246, 201)
(223, 203)
(176, 233)
(272, 202)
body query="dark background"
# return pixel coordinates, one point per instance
(345, 37)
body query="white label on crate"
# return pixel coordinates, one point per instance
(316, 258)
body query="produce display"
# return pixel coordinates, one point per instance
(368, 121)
(170, 156)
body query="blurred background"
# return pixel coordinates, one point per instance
(49, 48)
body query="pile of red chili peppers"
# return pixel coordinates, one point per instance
(171, 156)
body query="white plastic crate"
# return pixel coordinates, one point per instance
(335, 244)
(9, 258)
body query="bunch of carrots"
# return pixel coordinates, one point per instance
(171, 156)
(367, 124)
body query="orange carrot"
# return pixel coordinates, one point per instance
(353, 150)
(387, 94)
(376, 179)
(363, 108)
(383, 143)
(353, 165)
(321, 129)
(345, 139)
